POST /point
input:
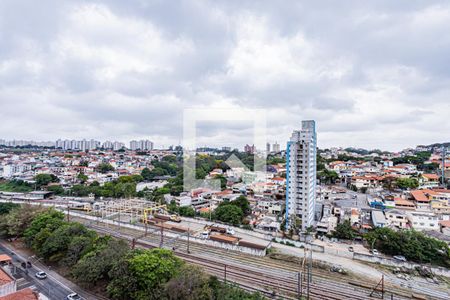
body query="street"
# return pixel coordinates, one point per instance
(51, 287)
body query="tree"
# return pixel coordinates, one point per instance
(223, 181)
(16, 222)
(146, 174)
(170, 159)
(412, 244)
(5, 208)
(223, 290)
(82, 177)
(142, 274)
(18, 186)
(327, 176)
(50, 219)
(191, 283)
(45, 179)
(186, 211)
(55, 246)
(84, 163)
(407, 183)
(78, 247)
(243, 204)
(57, 189)
(105, 168)
(229, 213)
(96, 264)
(344, 231)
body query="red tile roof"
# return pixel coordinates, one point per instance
(431, 176)
(5, 258)
(403, 203)
(419, 195)
(5, 278)
(25, 294)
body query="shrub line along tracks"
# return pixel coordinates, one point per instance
(268, 278)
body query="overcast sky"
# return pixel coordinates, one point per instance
(373, 74)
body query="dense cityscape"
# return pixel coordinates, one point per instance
(224, 150)
(340, 204)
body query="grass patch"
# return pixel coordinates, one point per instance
(16, 186)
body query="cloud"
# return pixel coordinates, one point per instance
(371, 74)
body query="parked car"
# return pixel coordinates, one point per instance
(374, 252)
(350, 249)
(73, 296)
(205, 235)
(400, 258)
(41, 275)
(230, 231)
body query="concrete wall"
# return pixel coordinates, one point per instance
(227, 246)
(8, 288)
(254, 233)
(314, 247)
(394, 263)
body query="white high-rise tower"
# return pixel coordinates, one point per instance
(301, 174)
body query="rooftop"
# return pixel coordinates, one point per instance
(5, 278)
(24, 294)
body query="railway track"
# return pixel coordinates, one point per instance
(288, 269)
(260, 273)
(269, 280)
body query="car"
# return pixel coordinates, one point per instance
(400, 258)
(41, 275)
(350, 249)
(230, 231)
(374, 252)
(73, 296)
(205, 235)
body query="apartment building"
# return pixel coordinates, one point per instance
(301, 174)
(423, 221)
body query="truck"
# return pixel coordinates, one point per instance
(215, 228)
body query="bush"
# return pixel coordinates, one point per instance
(412, 244)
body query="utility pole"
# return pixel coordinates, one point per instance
(162, 236)
(68, 211)
(299, 290)
(375, 289)
(146, 227)
(443, 166)
(225, 273)
(118, 222)
(189, 234)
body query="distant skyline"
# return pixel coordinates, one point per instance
(239, 147)
(373, 74)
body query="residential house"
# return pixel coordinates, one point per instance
(378, 218)
(397, 218)
(423, 221)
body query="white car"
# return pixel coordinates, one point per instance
(73, 296)
(374, 252)
(230, 231)
(41, 275)
(205, 235)
(400, 258)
